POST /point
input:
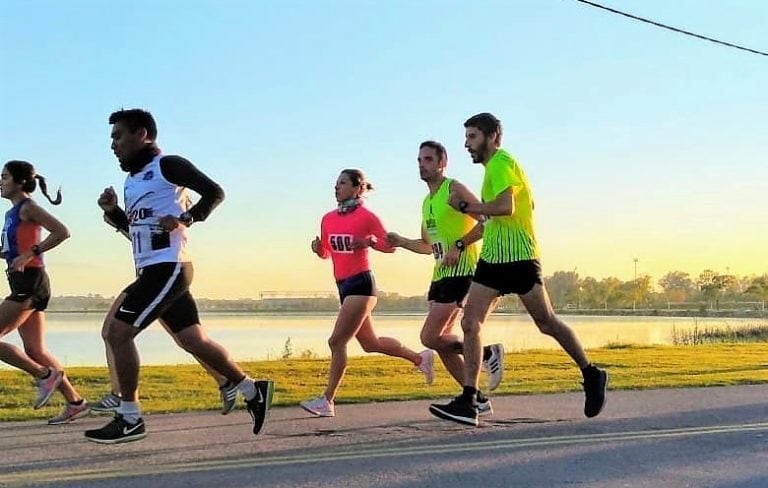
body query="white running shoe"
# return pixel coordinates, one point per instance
(70, 413)
(319, 407)
(47, 386)
(427, 365)
(484, 406)
(495, 365)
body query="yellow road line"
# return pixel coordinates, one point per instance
(41, 476)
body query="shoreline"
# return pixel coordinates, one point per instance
(740, 314)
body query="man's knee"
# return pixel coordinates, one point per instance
(119, 333)
(547, 324)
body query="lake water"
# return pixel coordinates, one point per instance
(75, 338)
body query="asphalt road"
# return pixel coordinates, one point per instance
(713, 437)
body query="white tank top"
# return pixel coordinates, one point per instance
(149, 196)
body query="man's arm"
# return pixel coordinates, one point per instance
(117, 219)
(419, 246)
(503, 204)
(113, 214)
(180, 171)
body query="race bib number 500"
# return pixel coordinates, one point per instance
(341, 243)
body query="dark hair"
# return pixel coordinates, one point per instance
(135, 119)
(358, 179)
(442, 154)
(487, 123)
(24, 173)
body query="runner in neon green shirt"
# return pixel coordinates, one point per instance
(452, 238)
(509, 263)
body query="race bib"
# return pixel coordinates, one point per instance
(341, 243)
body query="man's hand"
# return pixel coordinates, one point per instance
(169, 223)
(108, 199)
(451, 257)
(394, 239)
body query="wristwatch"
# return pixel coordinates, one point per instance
(186, 218)
(460, 245)
(36, 250)
(463, 206)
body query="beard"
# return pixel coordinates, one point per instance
(480, 155)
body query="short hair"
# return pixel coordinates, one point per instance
(24, 173)
(135, 119)
(442, 154)
(487, 123)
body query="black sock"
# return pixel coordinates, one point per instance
(486, 353)
(469, 393)
(77, 403)
(589, 368)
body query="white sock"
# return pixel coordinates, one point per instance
(247, 387)
(130, 411)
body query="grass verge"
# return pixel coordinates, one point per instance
(377, 378)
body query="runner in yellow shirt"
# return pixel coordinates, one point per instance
(509, 263)
(452, 238)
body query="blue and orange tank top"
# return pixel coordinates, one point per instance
(19, 236)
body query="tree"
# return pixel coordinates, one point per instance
(563, 288)
(677, 286)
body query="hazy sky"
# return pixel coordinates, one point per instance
(639, 142)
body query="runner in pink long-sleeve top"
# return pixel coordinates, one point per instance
(345, 236)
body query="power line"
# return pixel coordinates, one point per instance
(674, 29)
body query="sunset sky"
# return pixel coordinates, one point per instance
(639, 142)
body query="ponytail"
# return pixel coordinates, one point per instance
(44, 188)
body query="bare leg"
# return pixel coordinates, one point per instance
(12, 315)
(384, 345)
(120, 339)
(220, 380)
(481, 301)
(114, 384)
(32, 335)
(209, 352)
(353, 313)
(437, 334)
(539, 307)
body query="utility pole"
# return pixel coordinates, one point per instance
(634, 292)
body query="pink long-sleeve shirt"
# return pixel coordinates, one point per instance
(338, 231)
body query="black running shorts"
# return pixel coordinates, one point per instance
(518, 277)
(160, 291)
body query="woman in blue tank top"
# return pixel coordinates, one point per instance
(24, 308)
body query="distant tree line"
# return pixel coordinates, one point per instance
(676, 290)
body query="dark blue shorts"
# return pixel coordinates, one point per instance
(361, 284)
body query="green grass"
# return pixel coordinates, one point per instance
(378, 378)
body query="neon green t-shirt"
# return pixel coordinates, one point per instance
(508, 238)
(444, 226)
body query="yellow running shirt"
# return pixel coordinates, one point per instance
(508, 238)
(444, 226)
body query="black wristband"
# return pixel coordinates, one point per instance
(460, 245)
(186, 218)
(36, 250)
(463, 206)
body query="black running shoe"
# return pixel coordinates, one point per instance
(259, 405)
(458, 410)
(117, 431)
(595, 383)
